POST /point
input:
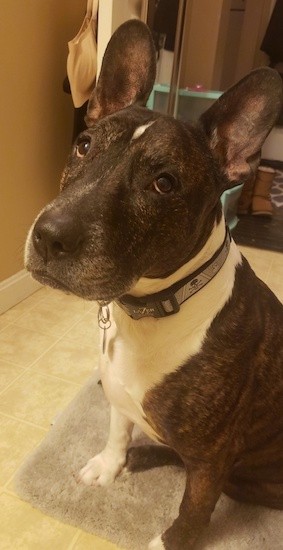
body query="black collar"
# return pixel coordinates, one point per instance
(168, 301)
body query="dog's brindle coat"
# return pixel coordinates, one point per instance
(139, 209)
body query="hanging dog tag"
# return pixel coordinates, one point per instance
(104, 323)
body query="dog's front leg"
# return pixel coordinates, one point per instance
(203, 488)
(103, 468)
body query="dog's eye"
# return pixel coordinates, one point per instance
(82, 147)
(164, 184)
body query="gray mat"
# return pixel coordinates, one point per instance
(135, 508)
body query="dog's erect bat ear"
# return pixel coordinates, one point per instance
(238, 123)
(127, 72)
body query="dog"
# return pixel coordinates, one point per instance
(192, 340)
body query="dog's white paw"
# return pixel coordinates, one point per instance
(156, 544)
(101, 470)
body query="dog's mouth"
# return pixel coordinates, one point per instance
(45, 279)
(101, 291)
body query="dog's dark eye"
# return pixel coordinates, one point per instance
(164, 184)
(82, 147)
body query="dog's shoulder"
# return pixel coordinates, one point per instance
(228, 375)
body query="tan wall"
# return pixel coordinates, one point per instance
(36, 115)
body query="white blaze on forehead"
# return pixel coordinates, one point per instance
(141, 129)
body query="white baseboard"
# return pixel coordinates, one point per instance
(16, 288)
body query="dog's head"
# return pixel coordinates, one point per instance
(141, 191)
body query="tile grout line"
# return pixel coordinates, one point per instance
(29, 370)
(51, 335)
(75, 539)
(23, 421)
(11, 363)
(21, 314)
(30, 365)
(30, 308)
(11, 494)
(25, 369)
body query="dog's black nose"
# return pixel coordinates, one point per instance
(57, 234)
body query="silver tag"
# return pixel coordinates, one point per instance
(104, 323)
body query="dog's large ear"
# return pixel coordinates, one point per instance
(238, 123)
(127, 72)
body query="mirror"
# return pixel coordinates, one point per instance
(221, 43)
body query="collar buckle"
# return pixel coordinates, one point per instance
(137, 309)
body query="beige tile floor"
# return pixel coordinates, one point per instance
(48, 348)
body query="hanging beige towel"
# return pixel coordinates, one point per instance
(82, 58)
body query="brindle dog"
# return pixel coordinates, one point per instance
(194, 353)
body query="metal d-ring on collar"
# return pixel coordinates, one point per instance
(168, 301)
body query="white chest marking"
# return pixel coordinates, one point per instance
(156, 544)
(141, 353)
